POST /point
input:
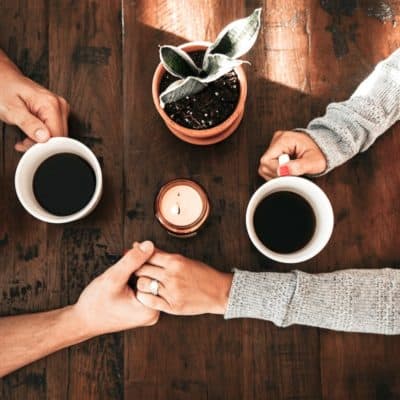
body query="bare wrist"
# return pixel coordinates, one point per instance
(81, 326)
(223, 288)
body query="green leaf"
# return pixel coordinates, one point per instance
(218, 65)
(238, 37)
(177, 62)
(180, 89)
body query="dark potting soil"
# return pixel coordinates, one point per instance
(208, 108)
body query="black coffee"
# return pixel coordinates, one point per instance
(64, 184)
(284, 222)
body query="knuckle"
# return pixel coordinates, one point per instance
(52, 101)
(178, 262)
(278, 134)
(153, 320)
(64, 103)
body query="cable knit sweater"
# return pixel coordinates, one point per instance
(348, 300)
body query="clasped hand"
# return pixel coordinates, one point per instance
(187, 287)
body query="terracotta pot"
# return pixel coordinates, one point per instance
(201, 136)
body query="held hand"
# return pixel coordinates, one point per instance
(186, 287)
(35, 110)
(108, 304)
(307, 156)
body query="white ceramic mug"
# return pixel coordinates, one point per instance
(318, 201)
(30, 162)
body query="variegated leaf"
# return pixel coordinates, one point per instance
(180, 89)
(238, 37)
(177, 62)
(218, 65)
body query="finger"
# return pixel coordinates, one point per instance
(131, 261)
(310, 163)
(161, 259)
(152, 272)
(266, 175)
(24, 145)
(294, 167)
(268, 170)
(50, 113)
(64, 114)
(272, 153)
(143, 284)
(32, 126)
(154, 302)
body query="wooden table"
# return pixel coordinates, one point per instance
(101, 55)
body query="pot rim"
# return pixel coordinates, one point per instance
(199, 133)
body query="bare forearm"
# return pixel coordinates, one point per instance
(26, 338)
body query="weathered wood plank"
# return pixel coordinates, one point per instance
(85, 68)
(23, 278)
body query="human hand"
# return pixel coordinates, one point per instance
(308, 157)
(35, 110)
(186, 287)
(108, 304)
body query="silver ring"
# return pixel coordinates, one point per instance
(154, 286)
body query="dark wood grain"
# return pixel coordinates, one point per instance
(23, 259)
(101, 55)
(85, 40)
(364, 199)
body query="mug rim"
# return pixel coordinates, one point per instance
(57, 144)
(291, 183)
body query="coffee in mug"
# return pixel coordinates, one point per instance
(284, 222)
(59, 181)
(289, 219)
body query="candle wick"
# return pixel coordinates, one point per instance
(176, 209)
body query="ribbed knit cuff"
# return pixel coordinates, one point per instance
(263, 295)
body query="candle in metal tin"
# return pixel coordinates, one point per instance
(182, 207)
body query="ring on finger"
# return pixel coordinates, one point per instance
(154, 287)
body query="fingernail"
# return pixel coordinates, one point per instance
(41, 135)
(146, 246)
(283, 170)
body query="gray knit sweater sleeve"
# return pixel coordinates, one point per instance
(352, 126)
(347, 300)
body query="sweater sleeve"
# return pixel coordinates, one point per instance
(352, 126)
(347, 300)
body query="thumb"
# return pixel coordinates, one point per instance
(294, 167)
(132, 261)
(32, 126)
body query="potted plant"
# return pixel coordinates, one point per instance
(200, 88)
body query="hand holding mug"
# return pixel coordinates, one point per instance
(307, 156)
(34, 109)
(185, 286)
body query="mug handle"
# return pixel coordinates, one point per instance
(282, 160)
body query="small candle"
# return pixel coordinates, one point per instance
(182, 207)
